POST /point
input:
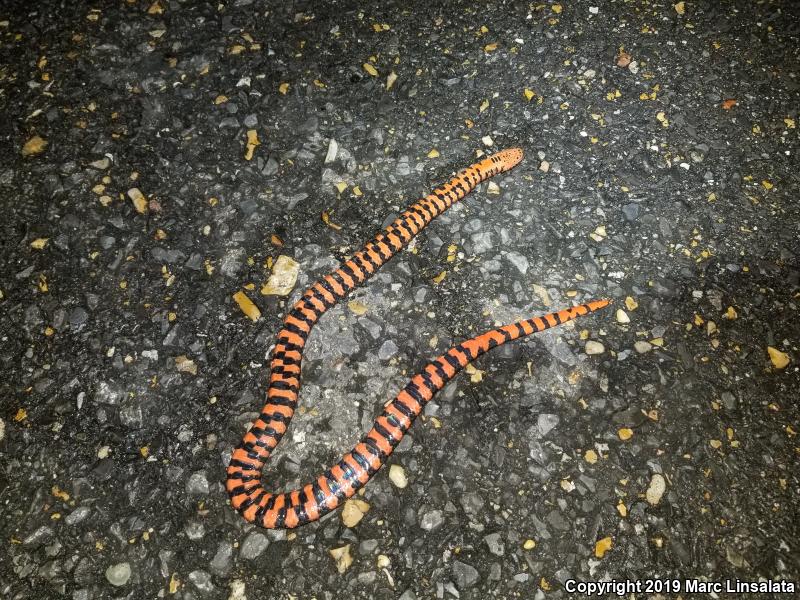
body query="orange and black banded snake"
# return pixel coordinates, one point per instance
(325, 493)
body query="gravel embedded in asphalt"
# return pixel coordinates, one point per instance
(160, 157)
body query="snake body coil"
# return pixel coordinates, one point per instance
(342, 480)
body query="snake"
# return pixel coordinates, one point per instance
(329, 490)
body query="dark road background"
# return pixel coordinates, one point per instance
(160, 157)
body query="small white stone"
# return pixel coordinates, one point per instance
(487, 141)
(641, 346)
(383, 561)
(353, 511)
(593, 347)
(119, 574)
(283, 277)
(333, 149)
(594, 10)
(103, 452)
(544, 166)
(622, 316)
(101, 164)
(397, 475)
(237, 590)
(656, 490)
(342, 557)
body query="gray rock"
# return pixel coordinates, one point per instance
(232, 262)
(729, 401)
(431, 520)
(194, 530)
(78, 317)
(631, 211)
(387, 350)
(465, 575)
(130, 414)
(197, 485)
(519, 261)
(367, 546)
(221, 563)
(472, 503)
(118, 574)
(495, 544)
(546, 422)
(77, 515)
(254, 545)
(557, 520)
(106, 394)
(482, 242)
(39, 536)
(202, 581)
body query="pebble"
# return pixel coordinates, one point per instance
(367, 546)
(77, 515)
(195, 530)
(387, 350)
(237, 590)
(482, 242)
(78, 317)
(221, 563)
(130, 414)
(201, 580)
(431, 520)
(397, 475)
(656, 490)
(622, 316)
(197, 485)
(333, 149)
(546, 422)
(118, 574)
(780, 360)
(342, 557)
(39, 536)
(283, 277)
(519, 261)
(641, 346)
(101, 164)
(472, 503)
(139, 200)
(495, 544)
(353, 511)
(466, 576)
(630, 211)
(254, 545)
(593, 347)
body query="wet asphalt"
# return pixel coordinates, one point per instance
(158, 157)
